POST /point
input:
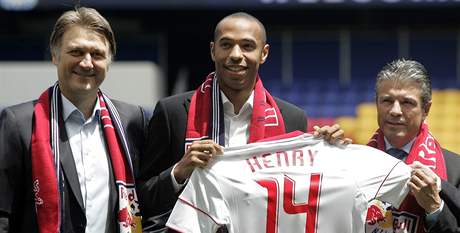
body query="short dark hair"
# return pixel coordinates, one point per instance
(407, 70)
(85, 17)
(246, 16)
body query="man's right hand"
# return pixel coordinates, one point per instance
(197, 155)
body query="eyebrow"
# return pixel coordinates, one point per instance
(244, 40)
(71, 47)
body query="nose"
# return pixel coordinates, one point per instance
(396, 109)
(236, 53)
(87, 61)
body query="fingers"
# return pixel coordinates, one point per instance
(199, 159)
(206, 146)
(347, 141)
(316, 132)
(199, 154)
(425, 175)
(421, 180)
(332, 134)
(424, 188)
(417, 182)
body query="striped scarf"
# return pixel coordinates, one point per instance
(47, 175)
(410, 216)
(205, 118)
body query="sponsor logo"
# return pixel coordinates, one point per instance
(129, 216)
(383, 218)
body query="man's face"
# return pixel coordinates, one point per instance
(82, 62)
(400, 111)
(237, 52)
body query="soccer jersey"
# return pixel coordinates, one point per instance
(291, 185)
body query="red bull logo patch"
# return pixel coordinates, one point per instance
(383, 218)
(129, 216)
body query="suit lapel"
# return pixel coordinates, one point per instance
(68, 164)
(187, 104)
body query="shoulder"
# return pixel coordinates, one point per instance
(21, 112)
(129, 112)
(290, 111)
(17, 120)
(452, 161)
(177, 99)
(450, 157)
(293, 116)
(175, 104)
(286, 106)
(125, 107)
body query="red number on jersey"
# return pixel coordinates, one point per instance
(310, 208)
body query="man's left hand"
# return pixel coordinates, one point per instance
(332, 134)
(424, 187)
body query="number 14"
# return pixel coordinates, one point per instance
(310, 207)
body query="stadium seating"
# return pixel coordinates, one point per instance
(354, 109)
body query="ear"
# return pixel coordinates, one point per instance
(54, 58)
(426, 109)
(211, 47)
(264, 54)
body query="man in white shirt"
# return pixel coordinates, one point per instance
(67, 157)
(230, 108)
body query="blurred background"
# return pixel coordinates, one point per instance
(324, 54)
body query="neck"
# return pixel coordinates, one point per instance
(237, 97)
(398, 143)
(84, 103)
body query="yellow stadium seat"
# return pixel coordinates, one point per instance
(348, 124)
(366, 110)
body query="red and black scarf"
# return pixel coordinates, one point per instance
(425, 150)
(205, 116)
(47, 176)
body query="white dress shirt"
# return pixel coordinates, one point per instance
(236, 127)
(89, 152)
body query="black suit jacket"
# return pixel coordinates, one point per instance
(450, 192)
(165, 147)
(17, 208)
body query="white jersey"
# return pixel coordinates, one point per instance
(292, 185)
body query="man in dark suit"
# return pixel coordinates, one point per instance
(230, 108)
(67, 159)
(403, 99)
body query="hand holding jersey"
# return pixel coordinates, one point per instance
(332, 134)
(298, 184)
(200, 153)
(197, 155)
(425, 186)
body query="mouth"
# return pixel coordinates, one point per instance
(395, 123)
(235, 68)
(84, 74)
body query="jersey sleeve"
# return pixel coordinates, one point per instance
(380, 176)
(201, 206)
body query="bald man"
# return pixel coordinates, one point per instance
(230, 108)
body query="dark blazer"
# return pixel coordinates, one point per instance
(165, 147)
(17, 208)
(450, 190)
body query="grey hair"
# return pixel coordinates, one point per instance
(407, 71)
(85, 17)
